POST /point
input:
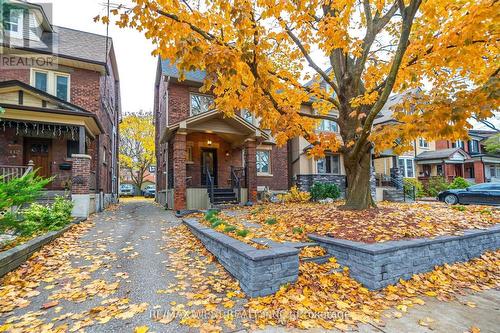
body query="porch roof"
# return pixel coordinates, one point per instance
(230, 129)
(26, 103)
(450, 155)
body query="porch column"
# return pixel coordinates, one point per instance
(479, 172)
(80, 180)
(81, 140)
(251, 166)
(179, 166)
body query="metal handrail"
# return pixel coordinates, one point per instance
(210, 184)
(236, 181)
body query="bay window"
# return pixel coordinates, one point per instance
(330, 164)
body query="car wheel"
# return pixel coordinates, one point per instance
(451, 199)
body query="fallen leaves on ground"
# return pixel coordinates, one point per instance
(324, 296)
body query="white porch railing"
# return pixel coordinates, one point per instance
(9, 172)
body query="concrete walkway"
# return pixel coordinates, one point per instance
(133, 238)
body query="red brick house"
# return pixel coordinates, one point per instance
(467, 159)
(204, 158)
(60, 97)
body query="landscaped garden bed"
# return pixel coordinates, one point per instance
(380, 246)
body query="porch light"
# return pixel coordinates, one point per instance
(227, 153)
(209, 142)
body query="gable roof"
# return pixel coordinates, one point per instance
(60, 103)
(441, 154)
(171, 70)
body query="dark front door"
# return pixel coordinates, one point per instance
(208, 164)
(38, 151)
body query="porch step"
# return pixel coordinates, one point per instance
(224, 196)
(395, 195)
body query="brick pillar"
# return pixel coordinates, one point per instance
(251, 168)
(80, 180)
(479, 172)
(179, 166)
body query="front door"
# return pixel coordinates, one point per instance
(208, 163)
(38, 151)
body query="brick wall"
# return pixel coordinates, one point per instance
(80, 174)
(178, 103)
(442, 144)
(179, 166)
(22, 75)
(279, 170)
(479, 172)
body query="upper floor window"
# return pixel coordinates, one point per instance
(263, 161)
(330, 164)
(247, 115)
(457, 144)
(200, 104)
(327, 125)
(422, 143)
(474, 146)
(12, 19)
(54, 83)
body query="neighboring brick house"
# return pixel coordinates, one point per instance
(467, 159)
(60, 93)
(197, 147)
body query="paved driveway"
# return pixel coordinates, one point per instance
(126, 254)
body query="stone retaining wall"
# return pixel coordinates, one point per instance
(380, 264)
(260, 272)
(304, 182)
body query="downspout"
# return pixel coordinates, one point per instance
(98, 172)
(167, 150)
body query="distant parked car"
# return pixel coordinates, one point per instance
(126, 190)
(480, 194)
(150, 191)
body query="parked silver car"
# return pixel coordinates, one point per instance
(126, 190)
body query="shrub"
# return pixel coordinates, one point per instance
(409, 183)
(229, 228)
(22, 190)
(271, 221)
(323, 190)
(295, 195)
(38, 218)
(242, 233)
(459, 183)
(216, 222)
(436, 185)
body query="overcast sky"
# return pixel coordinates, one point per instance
(133, 51)
(136, 65)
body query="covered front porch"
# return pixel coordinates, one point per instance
(56, 138)
(212, 160)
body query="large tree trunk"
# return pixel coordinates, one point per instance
(358, 171)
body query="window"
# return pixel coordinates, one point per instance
(422, 143)
(54, 83)
(330, 165)
(327, 125)
(62, 87)
(457, 144)
(474, 146)
(12, 19)
(189, 153)
(406, 167)
(41, 81)
(201, 104)
(439, 170)
(247, 115)
(264, 161)
(72, 147)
